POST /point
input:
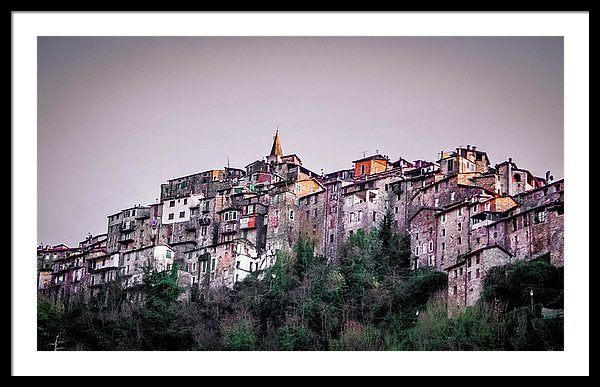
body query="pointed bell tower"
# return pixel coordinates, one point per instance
(276, 151)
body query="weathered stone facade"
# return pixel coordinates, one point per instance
(466, 278)
(222, 225)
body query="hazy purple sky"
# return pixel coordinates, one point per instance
(118, 116)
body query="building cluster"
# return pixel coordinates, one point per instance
(464, 216)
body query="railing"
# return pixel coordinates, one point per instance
(126, 238)
(229, 228)
(126, 227)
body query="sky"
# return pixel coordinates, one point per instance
(118, 116)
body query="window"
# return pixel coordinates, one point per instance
(374, 216)
(455, 288)
(469, 262)
(291, 215)
(443, 246)
(460, 271)
(331, 238)
(172, 203)
(487, 206)
(468, 276)
(459, 240)
(452, 195)
(443, 232)
(315, 212)
(517, 178)
(316, 199)
(362, 169)
(430, 245)
(359, 217)
(352, 217)
(460, 212)
(432, 260)
(450, 165)
(396, 210)
(459, 225)
(194, 266)
(437, 188)
(475, 208)
(417, 251)
(185, 201)
(171, 216)
(444, 218)
(182, 214)
(477, 273)
(540, 216)
(437, 202)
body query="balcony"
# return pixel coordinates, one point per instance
(127, 227)
(248, 222)
(128, 238)
(229, 228)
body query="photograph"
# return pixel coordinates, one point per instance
(300, 201)
(316, 195)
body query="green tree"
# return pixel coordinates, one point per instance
(49, 323)
(511, 284)
(239, 336)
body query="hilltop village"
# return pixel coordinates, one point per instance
(463, 214)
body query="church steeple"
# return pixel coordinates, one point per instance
(276, 148)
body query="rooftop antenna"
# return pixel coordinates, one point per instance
(364, 153)
(227, 161)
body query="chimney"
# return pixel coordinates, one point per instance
(474, 148)
(510, 159)
(548, 177)
(468, 146)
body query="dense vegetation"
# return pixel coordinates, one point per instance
(370, 300)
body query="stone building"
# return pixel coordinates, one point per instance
(222, 225)
(514, 180)
(467, 276)
(129, 229)
(463, 160)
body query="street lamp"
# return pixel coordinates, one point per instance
(531, 296)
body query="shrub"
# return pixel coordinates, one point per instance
(238, 336)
